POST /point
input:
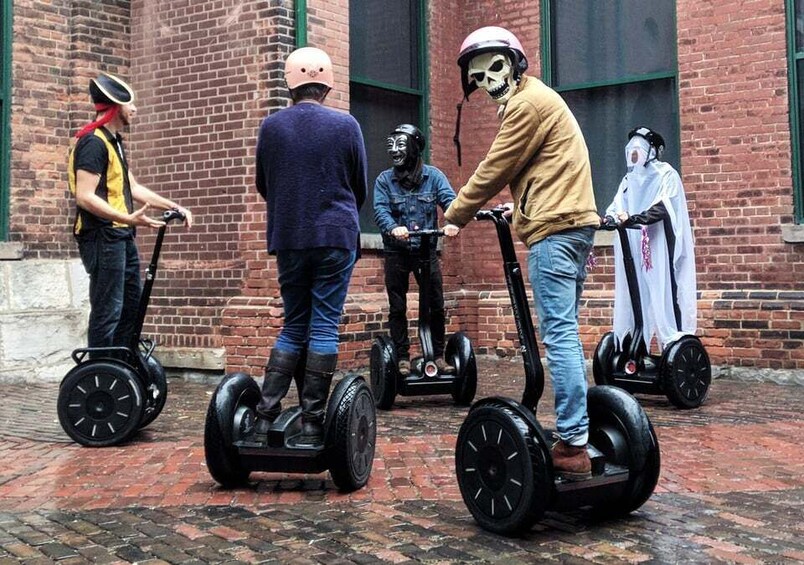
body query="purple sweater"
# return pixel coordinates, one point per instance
(311, 171)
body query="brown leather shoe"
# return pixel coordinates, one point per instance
(571, 462)
(404, 367)
(444, 368)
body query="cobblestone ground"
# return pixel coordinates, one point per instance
(731, 490)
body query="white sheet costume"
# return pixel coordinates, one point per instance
(641, 194)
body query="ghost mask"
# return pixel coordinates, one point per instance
(637, 152)
(494, 73)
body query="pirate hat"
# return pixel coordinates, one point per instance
(108, 89)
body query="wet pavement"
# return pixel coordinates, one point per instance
(731, 490)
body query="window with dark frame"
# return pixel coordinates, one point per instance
(795, 50)
(615, 63)
(387, 78)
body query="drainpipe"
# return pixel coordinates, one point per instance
(301, 23)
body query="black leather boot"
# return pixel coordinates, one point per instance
(278, 376)
(317, 380)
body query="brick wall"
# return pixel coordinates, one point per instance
(57, 46)
(207, 72)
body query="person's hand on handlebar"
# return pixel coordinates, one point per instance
(451, 230)
(400, 232)
(188, 216)
(509, 209)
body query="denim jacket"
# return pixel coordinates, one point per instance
(396, 206)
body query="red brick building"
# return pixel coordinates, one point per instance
(718, 78)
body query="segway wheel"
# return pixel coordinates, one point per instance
(383, 373)
(603, 360)
(155, 391)
(502, 470)
(353, 438)
(619, 427)
(460, 354)
(230, 416)
(100, 403)
(686, 373)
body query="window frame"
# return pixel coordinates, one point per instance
(547, 58)
(423, 77)
(372, 240)
(5, 116)
(793, 58)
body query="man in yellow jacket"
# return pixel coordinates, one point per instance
(540, 153)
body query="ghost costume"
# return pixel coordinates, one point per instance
(653, 196)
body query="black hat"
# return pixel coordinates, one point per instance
(413, 132)
(108, 89)
(654, 139)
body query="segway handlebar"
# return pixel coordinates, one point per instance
(497, 215)
(610, 224)
(172, 214)
(420, 233)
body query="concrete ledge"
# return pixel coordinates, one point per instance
(10, 251)
(760, 375)
(793, 234)
(604, 238)
(192, 358)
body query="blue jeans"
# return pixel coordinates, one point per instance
(557, 269)
(313, 284)
(113, 264)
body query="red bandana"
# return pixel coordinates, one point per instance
(111, 111)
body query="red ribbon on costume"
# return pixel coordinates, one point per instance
(647, 264)
(110, 110)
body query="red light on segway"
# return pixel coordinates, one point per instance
(430, 369)
(630, 367)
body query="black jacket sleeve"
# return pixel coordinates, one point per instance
(655, 213)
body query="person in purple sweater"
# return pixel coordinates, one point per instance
(311, 171)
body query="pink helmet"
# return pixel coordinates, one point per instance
(308, 65)
(490, 38)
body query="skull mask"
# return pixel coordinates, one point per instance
(494, 73)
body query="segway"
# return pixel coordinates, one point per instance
(350, 432)
(112, 392)
(424, 378)
(502, 456)
(682, 372)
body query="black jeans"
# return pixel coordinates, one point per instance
(398, 267)
(113, 265)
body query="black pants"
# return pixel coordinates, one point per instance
(113, 265)
(398, 267)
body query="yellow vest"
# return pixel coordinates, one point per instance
(113, 188)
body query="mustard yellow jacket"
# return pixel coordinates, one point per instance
(541, 154)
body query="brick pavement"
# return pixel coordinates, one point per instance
(731, 490)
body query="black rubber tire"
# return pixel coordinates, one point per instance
(613, 410)
(223, 460)
(155, 392)
(383, 372)
(351, 453)
(504, 477)
(460, 355)
(100, 403)
(603, 360)
(686, 373)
